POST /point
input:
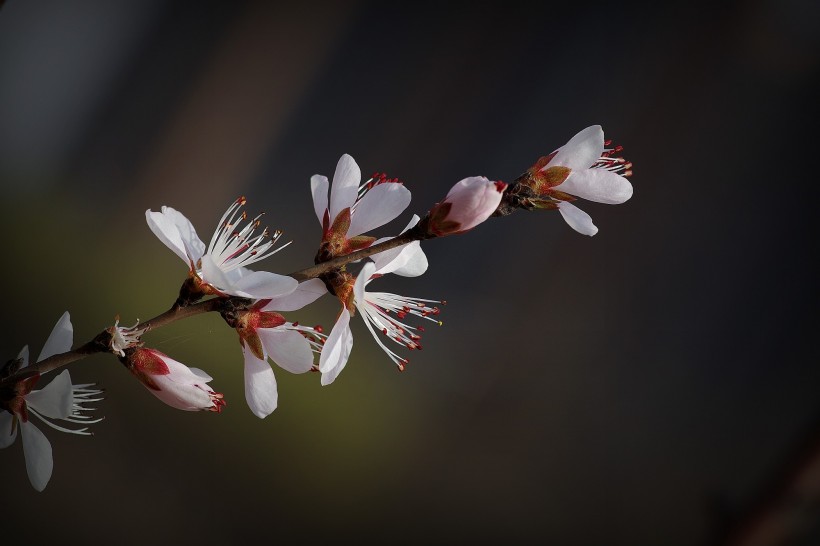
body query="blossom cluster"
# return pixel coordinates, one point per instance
(255, 303)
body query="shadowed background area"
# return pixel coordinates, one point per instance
(654, 384)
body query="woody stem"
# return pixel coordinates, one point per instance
(102, 341)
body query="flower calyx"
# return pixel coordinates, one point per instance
(247, 322)
(13, 397)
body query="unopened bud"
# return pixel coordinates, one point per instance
(468, 203)
(172, 382)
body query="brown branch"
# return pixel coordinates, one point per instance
(102, 342)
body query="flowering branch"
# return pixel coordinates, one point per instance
(252, 302)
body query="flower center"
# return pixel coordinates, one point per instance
(234, 245)
(388, 314)
(608, 161)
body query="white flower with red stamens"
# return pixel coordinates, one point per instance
(172, 382)
(584, 167)
(381, 311)
(264, 333)
(467, 204)
(59, 400)
(222, 267)
(352, 209)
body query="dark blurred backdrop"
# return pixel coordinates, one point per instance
(656, 384)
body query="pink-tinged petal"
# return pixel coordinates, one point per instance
(260, 285)
(318, 188)
(581, 151)
(23, 356)
(306, 293)
(37, 450)
(176, 232)
(345, 187)
(260, 385)
(55, 400)
(379, 205)
(8, 432)
(471, 202)
(597, 185)
(336, 351)
(60, 338)
(171, 381)
(577, 219)
(288, 348)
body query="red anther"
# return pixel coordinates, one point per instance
(607, 142)
(319, 328)
(500, 186)
(618, 148)
(375, 175)
(384, 331)
(419, 347)
(421, 329)
(295, 324)
(444, 302)
(401, 366)
(627, 173)
(401, 314)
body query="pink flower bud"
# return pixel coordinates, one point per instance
(172, 382)
(468, 203)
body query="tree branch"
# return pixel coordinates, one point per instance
(102, 342)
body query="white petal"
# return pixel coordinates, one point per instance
(347, 346)
(260, 385)
(193, 245)
(176, 232)
(361, 281)
(23, 356)
(333, 353)
(577, 219)
(55, 400)
(37, 450)
(318, 188)
(306, 293)
(8, 432)
(345, 187)
(212, 274)
(261, 285)
(581, 151)
(416, 263)
(407, 260)
(60, 338)
(201, 374)
(597, 185)
(288, 348)
(378, 206)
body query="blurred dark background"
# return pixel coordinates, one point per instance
(655, 384)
